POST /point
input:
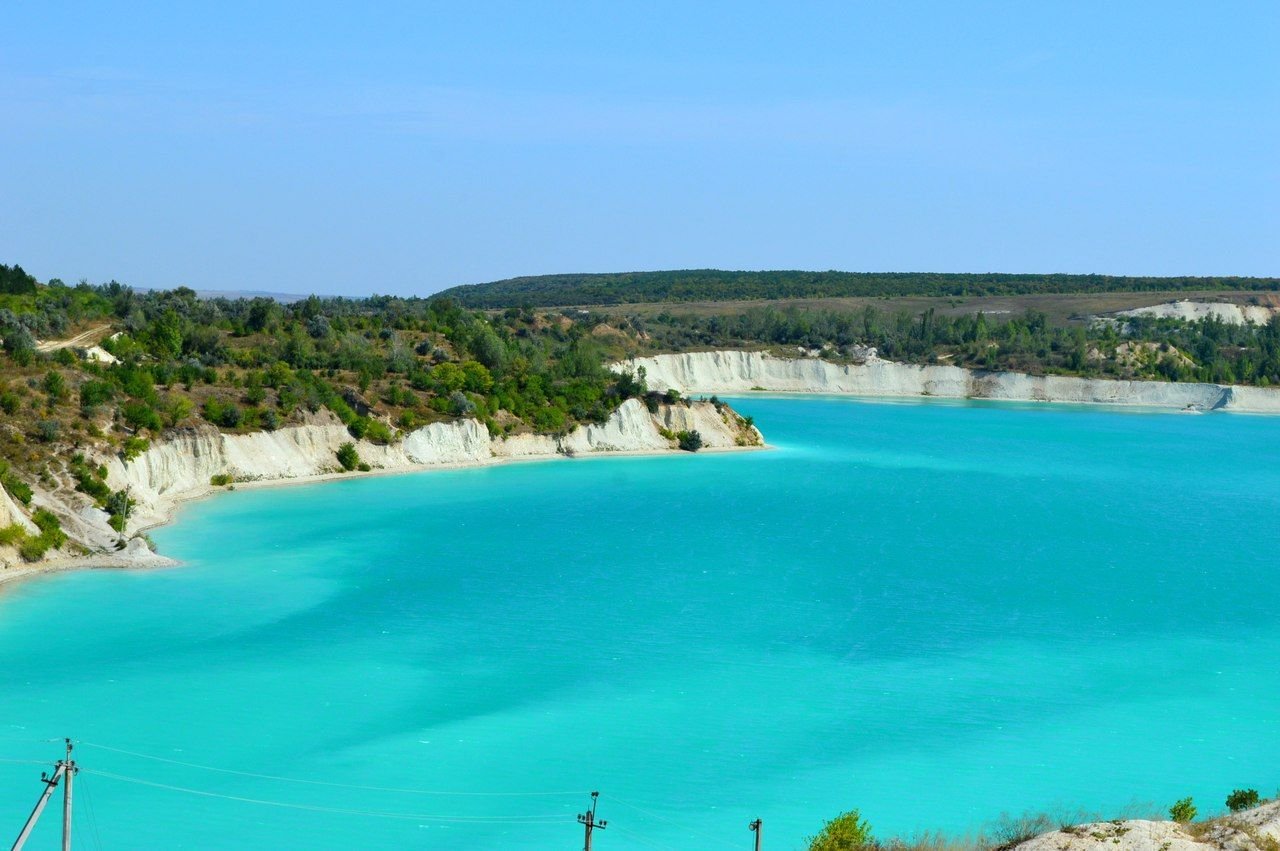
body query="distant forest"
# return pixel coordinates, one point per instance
(715, 285)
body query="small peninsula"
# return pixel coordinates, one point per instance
(119, 404)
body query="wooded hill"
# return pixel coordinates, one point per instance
(717, 285)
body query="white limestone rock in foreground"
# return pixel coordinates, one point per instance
(1257, 829)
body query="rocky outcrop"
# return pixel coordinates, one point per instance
(739, 371)
(1257, 829)
(186, 462)
(1192, 311)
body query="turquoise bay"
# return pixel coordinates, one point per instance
(933, 612)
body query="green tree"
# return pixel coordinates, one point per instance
(55, 386)
(1242, 799)
(846, 832)
(348, 457)
(1183, 811)
(95, 393)
(141, 415)
(689, 441)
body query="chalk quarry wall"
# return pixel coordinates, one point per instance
(739, 371)
(182, 465)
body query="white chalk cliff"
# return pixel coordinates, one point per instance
(183, 464)
(739, 371)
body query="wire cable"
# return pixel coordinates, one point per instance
(716, 839)
(329, 783)
(93, 816)
(316, 808)
(643, 840)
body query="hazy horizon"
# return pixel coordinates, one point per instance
(247, 147)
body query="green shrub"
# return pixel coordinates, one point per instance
(363, 467)
(689, 441)
(17, 488)
(1183, 811)
(133, 447)
(1242, 799)
(94, 393)
(48, 430)
(118, 505)
(221, 480)
(48, 523)
(177, 409)
(846, 832)
(55, 385)
(231, 416)
(141, 415)
(88, 481)
(379, 432)
(32, 549)
(212, 411)
(50, 538)
(348, 457)
(12, 535)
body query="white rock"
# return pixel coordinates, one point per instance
(739, 371)
(1232, 314)
(1252, 830)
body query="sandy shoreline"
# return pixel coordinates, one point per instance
(151, 561)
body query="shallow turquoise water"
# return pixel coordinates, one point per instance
(934, 612)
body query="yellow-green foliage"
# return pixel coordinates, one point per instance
(12, 535)
(846, 832)
(1183, 811)
(33, 547)
(17, 488)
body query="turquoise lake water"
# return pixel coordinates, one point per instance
(932, 612)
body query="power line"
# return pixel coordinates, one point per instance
(643, 840)
(93, 816)
(523, 819)
(328, 782)
(716, 839)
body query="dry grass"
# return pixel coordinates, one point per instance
(1010, 830)
(1060, 308)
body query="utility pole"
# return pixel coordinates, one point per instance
(49, 784)
(757, 827)
(69, 770)
(589, 820)
(64, 768)
(124, 526)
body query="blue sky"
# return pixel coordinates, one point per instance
(406, 147)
